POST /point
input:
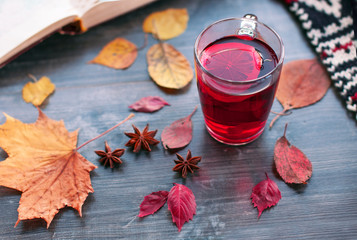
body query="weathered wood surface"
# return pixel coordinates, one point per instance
(94, 98)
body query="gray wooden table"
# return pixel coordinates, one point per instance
(94, 98)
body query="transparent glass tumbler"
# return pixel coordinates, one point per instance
(238, 63)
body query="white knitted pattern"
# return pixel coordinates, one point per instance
(337, 52)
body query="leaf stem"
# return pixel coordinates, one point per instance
(32, 77)
(145, 43)
(193, 112)
(286, 126)
(282, 113)
(109, 130)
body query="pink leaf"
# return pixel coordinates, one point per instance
(152, 203)
(182, 204)
(291, 163)
(179, 133)
(149, 104)
(265, 194)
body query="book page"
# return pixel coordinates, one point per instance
(83, 6)
(108, 9)
(23, 22)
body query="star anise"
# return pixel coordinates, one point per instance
(188, 164)
(109, 157)
(144, 139)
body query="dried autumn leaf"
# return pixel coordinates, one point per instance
(37, 92)
(291, 163)
(168, 67)
(166, 24)
(302, 83)
(149, 104)
(44, 165)
(119, 54)
(182, 204)
(152, 203)
(179, 133)
(265, 194)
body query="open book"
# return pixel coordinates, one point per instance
(24, 23)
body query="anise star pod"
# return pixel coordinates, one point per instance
(109, 157)
(188, 164)
(141, 139)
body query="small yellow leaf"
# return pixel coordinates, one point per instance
(119, 54)
(168, 67)
(166, 24)
(37, 92)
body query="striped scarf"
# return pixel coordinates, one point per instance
(328, 25)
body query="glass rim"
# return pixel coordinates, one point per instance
(280, 62)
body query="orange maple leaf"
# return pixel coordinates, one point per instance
(43, 163)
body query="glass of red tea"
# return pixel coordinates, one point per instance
(238, 63)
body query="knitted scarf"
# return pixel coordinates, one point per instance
(329, 27)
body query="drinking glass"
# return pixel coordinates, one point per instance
(238, 63)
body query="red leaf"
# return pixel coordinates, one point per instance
(179, 133)
(152, 203)
(149, 104)
(182, 204)
(291, 163)
(265, 194)
(302, 83)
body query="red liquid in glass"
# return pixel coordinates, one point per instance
(236, 113)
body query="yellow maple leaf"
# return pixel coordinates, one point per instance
(168, 67)
(119, 54)
(44, 165)
(166, 24)
(36, 92)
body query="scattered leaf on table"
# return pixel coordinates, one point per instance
(44, 165)
(265, 194)
(166, 24)
(291, 163)
(149, 104)
(36, 92)
(182, 204)
(168, 67)
(302, 83)
(152, 203)
(119, 54)
(179, 133)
